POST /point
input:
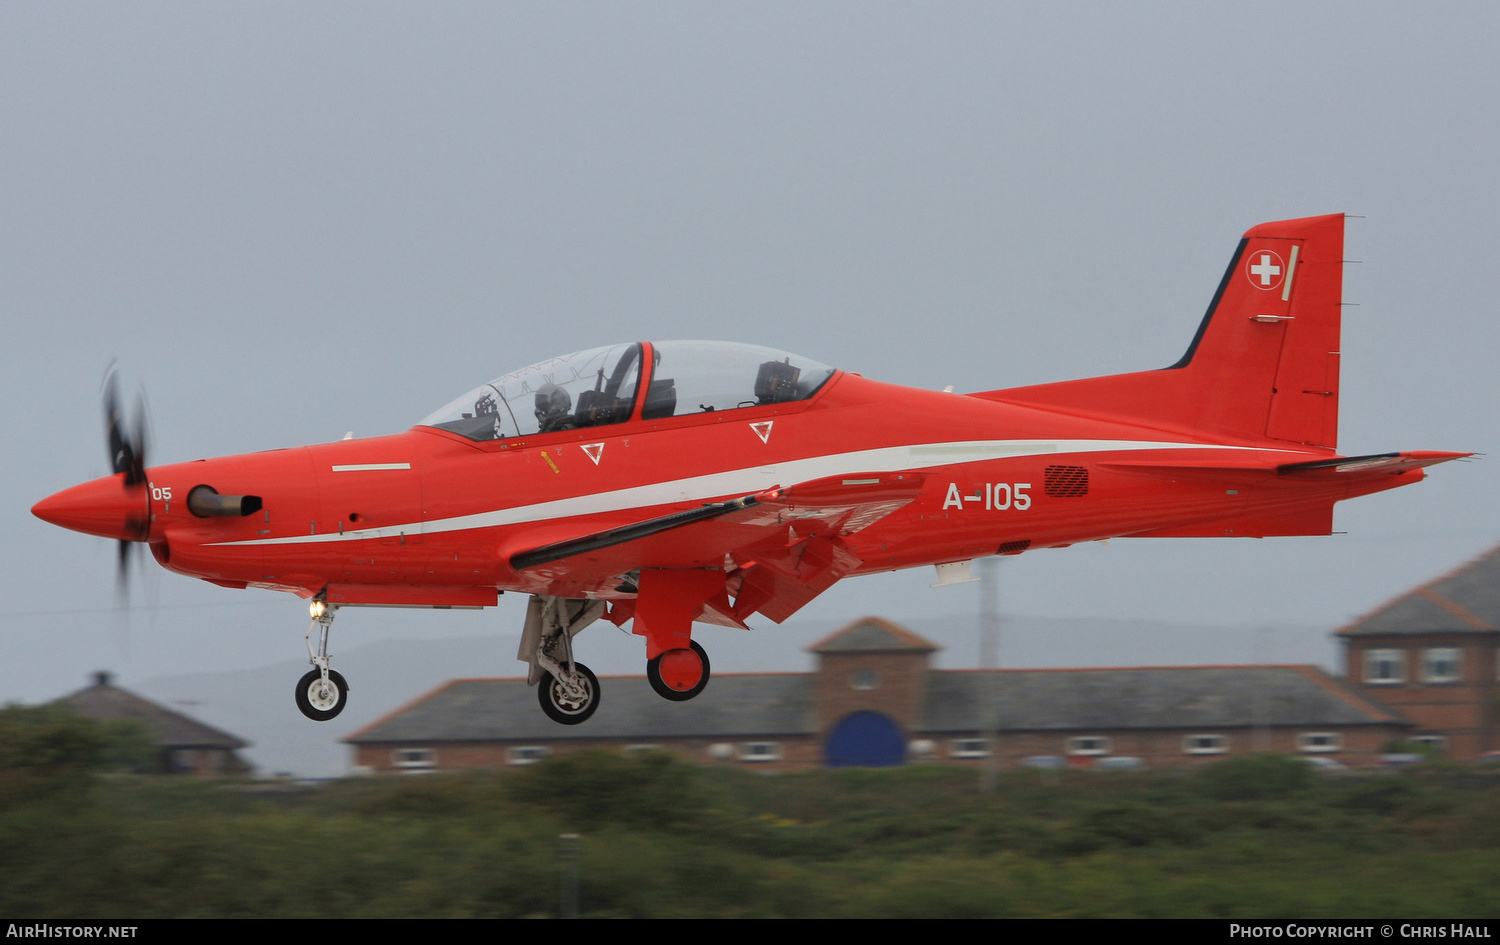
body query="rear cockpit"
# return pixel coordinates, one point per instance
(601, 386)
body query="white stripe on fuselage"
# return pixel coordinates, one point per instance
(370, 467)
(747, 480)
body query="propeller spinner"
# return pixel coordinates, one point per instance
(116, 506)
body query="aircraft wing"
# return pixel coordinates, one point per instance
(780, 548)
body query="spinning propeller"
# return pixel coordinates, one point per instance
(127, 456)
(119, 506)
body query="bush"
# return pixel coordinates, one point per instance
(596, 788)
(46, 749)
(1255, 777)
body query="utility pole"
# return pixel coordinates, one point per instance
(567, 859)
(989, 660)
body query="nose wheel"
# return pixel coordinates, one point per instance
(679, 675)
(322, 693)
(569, 701)
(322, 699)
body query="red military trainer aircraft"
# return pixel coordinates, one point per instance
(680, 481)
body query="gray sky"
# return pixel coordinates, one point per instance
(291, 220)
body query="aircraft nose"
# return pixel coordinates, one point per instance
(105, 507)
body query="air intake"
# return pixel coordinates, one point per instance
(1066, 481)
(1014, 547)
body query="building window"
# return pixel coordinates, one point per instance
(760, 751)
(414, 759)
(969, 748)
(526, 754)
(1385, 667)
(1205, 745)
(721, 751)
(1088, 745)
(864, 679)
(1314, 742)
(1441, 664)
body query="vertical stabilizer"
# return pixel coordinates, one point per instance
(1264, 364)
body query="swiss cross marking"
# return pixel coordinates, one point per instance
(1265, 269)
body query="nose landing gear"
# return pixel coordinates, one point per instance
(320, 698)
(321, 694)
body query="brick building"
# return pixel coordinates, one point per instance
(874, 699)
(1430, 655)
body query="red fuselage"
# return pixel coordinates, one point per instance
(430, 517)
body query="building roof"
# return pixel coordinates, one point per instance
(873, 635)
(1185, 697)
(733, 705)
(1465, 600)
(169, 729)
(770, 704)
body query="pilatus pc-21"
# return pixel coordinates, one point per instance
(668, 483)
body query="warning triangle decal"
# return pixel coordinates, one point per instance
(763, 430)
(593, 451)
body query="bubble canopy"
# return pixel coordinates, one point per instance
(601, 386)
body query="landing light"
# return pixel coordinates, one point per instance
(317, 609)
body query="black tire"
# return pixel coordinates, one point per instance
(318, 705)
(558, 708)
(653, 676)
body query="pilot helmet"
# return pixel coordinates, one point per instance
(551, 401)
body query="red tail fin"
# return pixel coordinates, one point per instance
(1265, 361)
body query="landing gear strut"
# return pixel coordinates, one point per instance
(322, 693)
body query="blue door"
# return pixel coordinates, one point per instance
(865, 740)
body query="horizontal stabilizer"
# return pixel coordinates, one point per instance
(1367, 465)
(1266, 463)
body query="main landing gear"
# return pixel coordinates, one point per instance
(568, 691)
(569, 699)
(322, 693)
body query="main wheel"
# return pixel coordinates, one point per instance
(319, 702)
(559, 706)
(679, 675)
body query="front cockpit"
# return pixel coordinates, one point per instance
(648, 381)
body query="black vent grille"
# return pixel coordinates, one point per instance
(1014, 547)
(1066, 481)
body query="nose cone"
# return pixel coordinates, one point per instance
(105, 507)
